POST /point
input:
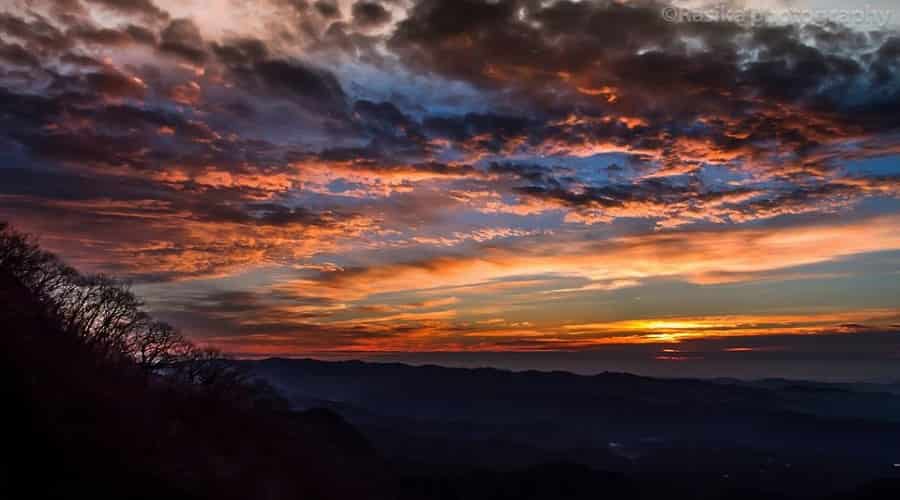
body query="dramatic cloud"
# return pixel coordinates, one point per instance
(458, 174)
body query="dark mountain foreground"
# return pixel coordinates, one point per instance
(101, 401)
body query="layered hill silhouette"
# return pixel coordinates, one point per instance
(102, 401)
(707, 435)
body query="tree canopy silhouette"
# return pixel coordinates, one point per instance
(105, 316)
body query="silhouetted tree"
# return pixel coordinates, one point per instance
(158, 346)
(107, 318)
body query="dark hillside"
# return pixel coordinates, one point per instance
(80, 426)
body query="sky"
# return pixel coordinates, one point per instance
(639, 180)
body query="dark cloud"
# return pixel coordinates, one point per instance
(394, 135)
(535, 174)
(790, 71)
(140, 34)
(112, 37)
(40, 36)
(43, 184)
(490, 132)
(606, 56)
(384, 116)
(301, 80)
(133, 7)
(273, 214)
(661, 191)
(314, 88)
(367, 14)
(241, 52)
(311, 88)
(182, 38)
(328, 8)
(15, 54)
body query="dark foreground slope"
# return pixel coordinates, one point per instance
(77, 428)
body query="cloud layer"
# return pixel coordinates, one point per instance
(302, 176)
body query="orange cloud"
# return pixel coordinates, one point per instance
(700, 257)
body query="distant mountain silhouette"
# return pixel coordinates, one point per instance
(717, 437)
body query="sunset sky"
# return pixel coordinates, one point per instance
(300, 177)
